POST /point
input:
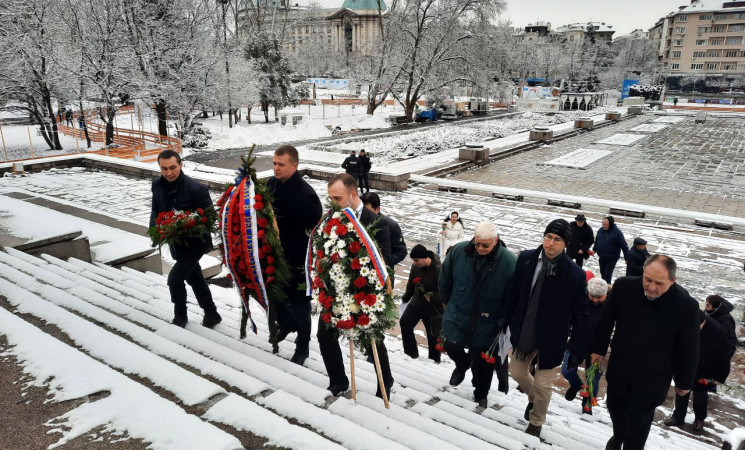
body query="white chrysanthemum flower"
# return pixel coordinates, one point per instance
(350, 226)
(333, 236)
(372, 278)
(336, 215)
(364, 271)
(341, 244)
(354, 308)
(342, 253)
(365, 260)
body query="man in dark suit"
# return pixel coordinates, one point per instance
(365, 166)
(174, 190)
(656, 340)
(298, 209)
(546, 305)
(352, 165)
(342, 190)
(371, 201)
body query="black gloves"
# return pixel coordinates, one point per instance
(573, 361)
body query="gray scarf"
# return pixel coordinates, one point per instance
(528, 339)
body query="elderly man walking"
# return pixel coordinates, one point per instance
(547, 305)
(656, 340)
(473, 284)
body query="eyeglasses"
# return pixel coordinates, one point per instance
(556, 239)
(482, 245)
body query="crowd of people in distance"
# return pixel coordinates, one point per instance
(492, 310)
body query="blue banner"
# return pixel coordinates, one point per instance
(626, 85)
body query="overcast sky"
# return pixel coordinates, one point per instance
(625, 16)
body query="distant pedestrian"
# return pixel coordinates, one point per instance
(452, 232)
(365, 166)
(352, 165)
(635, 258)
(371, 201)
(656, 340)
(473, 284)
(547, 312)
(720, 310)
(424, 304)
(81, 121)
(580, 241)
(712, 370)
(68, 118)
(609, 243)
(675, 101)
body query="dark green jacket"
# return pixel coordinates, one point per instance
(473, 304)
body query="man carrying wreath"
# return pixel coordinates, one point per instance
(175, 191)
(342, 190)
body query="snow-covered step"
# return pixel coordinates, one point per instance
(130, 407)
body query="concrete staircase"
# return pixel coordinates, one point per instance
(210, 389)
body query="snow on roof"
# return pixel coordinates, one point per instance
(711, 5)
(600, 27)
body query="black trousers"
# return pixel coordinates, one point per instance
(607, 266)
(328, 342)
(188, 270)
(295, 316)
(409, 319)
(700, 404)
(481, 371)
(580, 260)
(364, 181)
(631, 420)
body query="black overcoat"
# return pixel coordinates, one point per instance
(581, 238)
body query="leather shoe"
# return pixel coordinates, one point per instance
(698, 425)
(457, 377)
(338, 389)
(482, 403)
(527, 412)
(571, 393)
(387, 390)
(180, 321)
(613, 444)
(210, 320)
(300, 356)
(673, 422)
(534, 430)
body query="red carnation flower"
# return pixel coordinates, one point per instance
(270, 259)
(417, 280)
(204, 220)
(258, 198)
(354, 247)
(327, 229)
(345, 324)
(328, 302)
(356, 264)
(258, 206)
(360, 282)
(359, 297)
(319, 253)
(262, 223)
(187, 212)
(266, 248)
(270, 280)
(200, 211)
(269, 270)
(370, 299)
(363, 320)
(261, 234)
(334, 222)
(341, 230)
(335, 257)
(326, 317)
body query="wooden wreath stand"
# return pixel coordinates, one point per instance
(374, 346)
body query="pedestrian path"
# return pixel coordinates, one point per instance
(212, 390)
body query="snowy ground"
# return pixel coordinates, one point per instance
(17, 143)
(624, 139)
(579, 158)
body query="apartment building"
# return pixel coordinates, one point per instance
(706, 37)
(575, 32)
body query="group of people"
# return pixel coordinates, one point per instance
(358, 167)
(477, 299)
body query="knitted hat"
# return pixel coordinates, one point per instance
(580, 217)
(639, 241)
(559, 227)
(597, 287)
(419, 251)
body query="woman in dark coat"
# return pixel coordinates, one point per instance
(609, 243)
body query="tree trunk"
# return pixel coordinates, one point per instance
(110, 126)
(53, 139)
(160, 110)
(265, 108)
(248, 115)
(81, 120)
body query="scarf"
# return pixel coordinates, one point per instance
(527, 342)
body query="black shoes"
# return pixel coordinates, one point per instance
(613, 444)
(180, 321)
(698, 425)
(387, 390)
(673, 422)
(457, 377)
(571, 393)
(527, 412)
(338, 389)
(534, 430)
(210, 320)
(300, 356)
(482, 403)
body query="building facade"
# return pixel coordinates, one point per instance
(706, 37)
(576, 32)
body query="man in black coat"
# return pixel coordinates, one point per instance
(720, 310)
(398, 245)
(365, 166)
(581, 240)
(546, 305)
(635, 258)
(298, 209)
(352, 165)
(342, 190)
(712, 370)
(656, 340)
(174, 190)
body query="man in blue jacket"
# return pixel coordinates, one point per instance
(174, 190)
(473, 283)
(546, 306)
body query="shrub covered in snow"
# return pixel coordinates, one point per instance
(196, 137)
